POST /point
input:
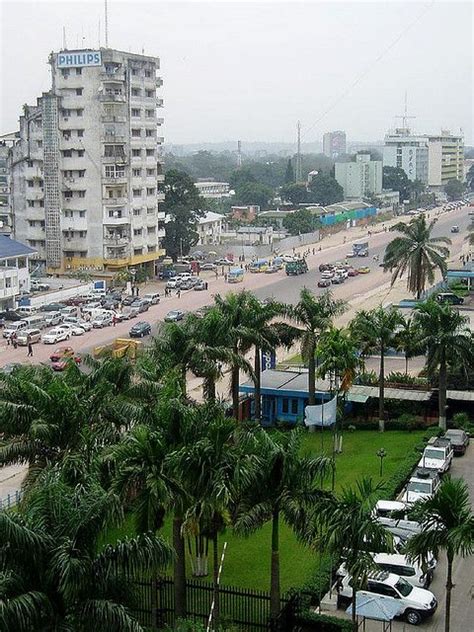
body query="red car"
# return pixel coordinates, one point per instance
(324, 282)
(352, 272)
(60, 357)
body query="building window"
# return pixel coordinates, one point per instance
(68, 214)
(65, 72)
(82, 213)
(150, 211)
(67, 153)
(137, 232)
(136, 133)
(31, 203)
(150, 172)
(150, 191)
(151, 230)
(39, 143)
(80, 153)
(41, 203)
(136, 112)
(294, 406)
(79, 111)
(136, 173)
(82, 233)
(135, 92)
(150, 113)
(137, 212)
(30, 163)
(78, 71)
(149, 133)
(31, 183)
(67, 134)
(109, 171)
(80, 133)
(138, 251)
(66, 113)
(79, 92)
(134, 72)
(81, 173)
(136, 153)
(150, 93)
(148, 73)
(137, 192)
(81, 194)
(68, 195)
(150, 152)
(115, 213)
(284, 405)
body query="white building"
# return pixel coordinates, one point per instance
(14, 270)
(212, 190)
(433, 159)
(86, 172)
(334, 144)
(360, 178)
(209, 229)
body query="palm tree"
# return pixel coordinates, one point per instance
(417, 253)
(346, 528)
(55, 573)
(286, 486)
(407, 340)
(447, 523)
(314, 315)
(375, 330)
(445, 337)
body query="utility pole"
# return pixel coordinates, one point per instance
(299, 168)
(239, 154)
(106, 26)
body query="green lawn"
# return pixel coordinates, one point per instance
(247, 561)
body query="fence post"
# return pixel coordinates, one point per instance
(155, 617)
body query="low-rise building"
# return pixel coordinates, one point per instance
(252, 235)
(209, 229)
(212, 190)
(14, 270)
(245, 213)
(361, 178)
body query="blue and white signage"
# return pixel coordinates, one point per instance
(76, 59)
(268, 360)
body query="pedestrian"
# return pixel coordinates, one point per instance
(14, 340)
(178, 293)
(225, 277)
(313, 251)
(217, 274)
(114, 320)
(8, 341)
(30, 347)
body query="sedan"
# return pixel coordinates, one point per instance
(337, 279)
(363, 270)
(174, 282)
(186, 284)
(103, 320)
(288, 258)
(61, 357)
(140, 329)
(55, 335)
(223, 262)
(174, 315)
(73, 329)
(83, 324)
(52, 307)
(352, 272)
(324, 282)
(327, 274)
(323, 267)
(200, 285)
(128, 300)
(459, 440)
(208, 266)
(53, 318)
(271, 270)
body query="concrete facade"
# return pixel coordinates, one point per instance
(360, 178)
(209, 229)
(86, 171)
(334, 144)
(14, 271)
(212, 190)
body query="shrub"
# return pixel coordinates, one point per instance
(368, 378)
(461, 420)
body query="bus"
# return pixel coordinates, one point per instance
(260, 265)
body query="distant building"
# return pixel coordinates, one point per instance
(212, 190)
(433, 159)
(5, 214)
(14, 270)
(251, 235)
(361, 178)
(209, 229)
(245, 213)
(389, 199)
(334, 144)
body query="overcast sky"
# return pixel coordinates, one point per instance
(250, 70)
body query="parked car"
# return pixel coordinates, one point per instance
(363, 270)
(38, 286)
(140, 329)
(186, 284)
(200, 285)
(28, 335)
(337, 279)
(395, 513)
(14, 327)
(208, 266)
(141, 304)
(459, 440)
(55, 335)
(174, 315)
(101, 320)
(110, 304)
(127, 313)
(352, 272)
(455, 229)
(271, 270)
(327, 274)
(10, 316)
(288, 258)
(61, 357)
(174, 282)
(324, 282)
(73, 329)
(79, 322)
(437, 455)
(53, 318)
(414, 604)
(423, 484)
(26, 310)
(399, 564)
(449, 298)
(52, 307)
(223, 261)
(128, 300)
(153, 297)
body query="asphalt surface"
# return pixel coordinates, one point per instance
(367, 290)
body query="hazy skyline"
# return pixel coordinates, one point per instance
(250, 70)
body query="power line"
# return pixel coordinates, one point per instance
(366, 71)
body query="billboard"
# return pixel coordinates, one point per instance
(76, 59)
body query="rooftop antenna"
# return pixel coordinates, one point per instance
(299, 168)
(98, 33)
(106, 26)
(64, 38)
(239, 154)
(405, 116)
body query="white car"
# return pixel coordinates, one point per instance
(78, 322)
(53, 318)
(55, 335)
(437, 455)
(74, 330)
(422, 485)
(288, 258)
(393, 513)
(174, 282)
(414, 604)
(399, 565)
(102, 320)
(327, 274)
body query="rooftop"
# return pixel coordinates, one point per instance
(210, 217)
(12, 248)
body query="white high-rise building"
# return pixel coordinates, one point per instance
(361, 178)
(433, 159)
(86, 171)
(334, 144)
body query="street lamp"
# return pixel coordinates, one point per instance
(381, 454)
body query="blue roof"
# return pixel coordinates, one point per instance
(12, 248)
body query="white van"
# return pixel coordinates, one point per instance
(37, 321)
(27, 310)
(152, 297)
(33, 334)
(69, 311)
(14, 327)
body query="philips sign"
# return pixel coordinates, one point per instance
(71, 60)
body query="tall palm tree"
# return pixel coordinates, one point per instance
(55, 573)
(417, 253)
(346, 528)
(234, 329)
(314, 315)
(447, 523)
(407, 340)
(445, 337)
(375, 330)
(286, 486)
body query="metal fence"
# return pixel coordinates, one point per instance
(10, 500)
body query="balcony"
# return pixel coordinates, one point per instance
(114, 160)
(160, 196)
(115, 180)
(116, 221)
(113, 138)
(112, 76)
(9, 276)
(112, 98)
(160, 120)
(109, 118)
(116, 242)
(32, 194)
(159, 82)
(160, 177)
(115, 201)
(159, 103)
(160, 140)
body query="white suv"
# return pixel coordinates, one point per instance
(393, 514)
(414, 604)
(423, 484)
(437, 455)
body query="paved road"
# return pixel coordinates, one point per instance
(365, 290)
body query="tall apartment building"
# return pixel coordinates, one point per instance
(86, 171)
(433, 159)
(334, 144)
(361, 178)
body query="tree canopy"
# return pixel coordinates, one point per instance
(396, 179)
(301, 221)
(325, 190)
(454, 189)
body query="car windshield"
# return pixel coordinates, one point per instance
(430, 453)
(419, 486)
(403, 587)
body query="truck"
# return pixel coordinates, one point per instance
(294, 268)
